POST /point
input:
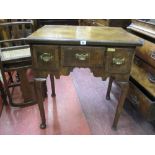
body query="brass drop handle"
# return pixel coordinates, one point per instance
(46, 57)
(151, 77)
(118, 61)
(134, 99)
(153, 55)
(81, 57)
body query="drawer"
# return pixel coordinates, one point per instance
(79, 56)
(144, 75)
(45, 57)
(119, 60)
(142, 100)
(147, 52)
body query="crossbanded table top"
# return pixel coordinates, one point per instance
(85, 35)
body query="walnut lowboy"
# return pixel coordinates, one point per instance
(108, 52)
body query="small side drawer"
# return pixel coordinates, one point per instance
(45, 57)
(119, 60)
(79, 56)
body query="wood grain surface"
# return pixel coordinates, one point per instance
(91, 34)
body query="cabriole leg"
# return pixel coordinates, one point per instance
(109, 88)
(38, 87)
(124, 91)
(52, 85)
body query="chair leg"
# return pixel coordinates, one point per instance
(52, 86)
(3, 93)
(10, 77)
(109, 88)
(17, 77)
(6, 86)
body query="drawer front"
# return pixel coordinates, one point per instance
(144, 75)
(119, 60)
(78, 56)
(147, 52)
(144, 105)
(45, 57)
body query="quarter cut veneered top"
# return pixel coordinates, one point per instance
(84, 35)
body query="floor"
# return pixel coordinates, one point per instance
(79, 108)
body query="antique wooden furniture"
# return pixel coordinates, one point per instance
(142, 81)
(108, 52)
(105, 22)
(42, 22)
(16, 56)
(93, 22)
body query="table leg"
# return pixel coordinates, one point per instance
(38, 87)
(52, 86)
(25, 85)
(109, 88)
(124, 91)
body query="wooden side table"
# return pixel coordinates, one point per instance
(108, 52)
